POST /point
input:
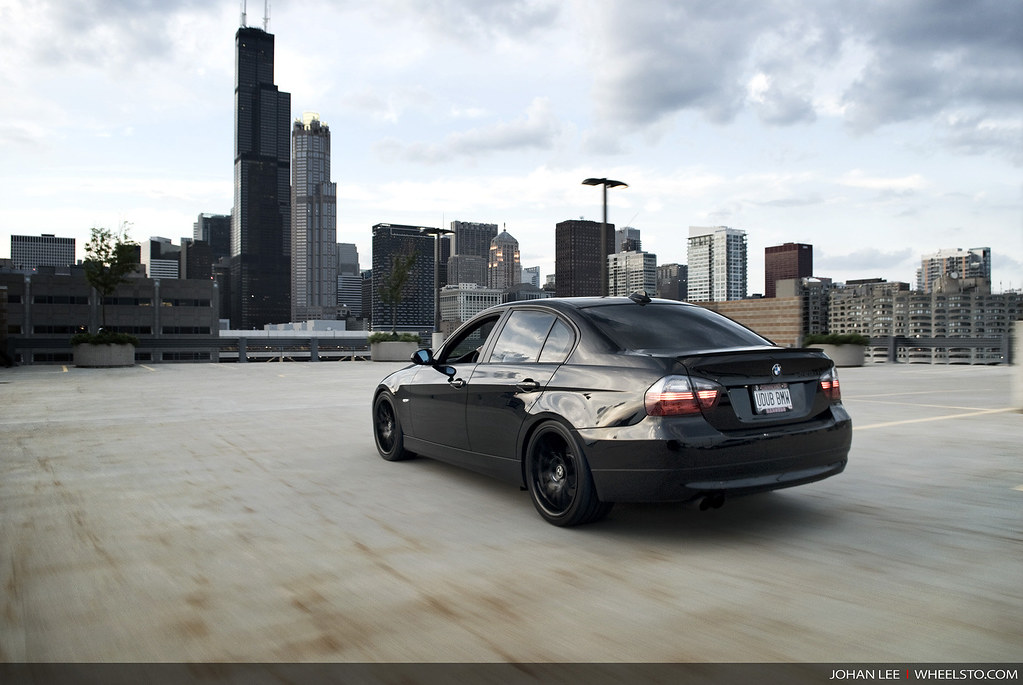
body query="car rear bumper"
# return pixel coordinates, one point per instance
(683, 459)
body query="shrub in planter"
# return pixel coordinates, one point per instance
(108, 263)
(104, 338)
(104, 349)
(836, 339)
(392, 347)
(393, 337)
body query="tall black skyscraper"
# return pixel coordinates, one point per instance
(261, 221)
(578, 255)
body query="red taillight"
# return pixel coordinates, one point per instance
(830, 386)
(677, 396)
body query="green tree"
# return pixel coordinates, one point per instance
(394, 284)
(109, 258)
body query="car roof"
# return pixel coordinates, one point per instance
(571, 303)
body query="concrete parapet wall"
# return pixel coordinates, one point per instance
(392, 351)
(844, 355)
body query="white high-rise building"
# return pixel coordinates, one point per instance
(161, 258)
(956, 264)
(717, 264)
(461, 302)
(629, 272)
(313, 223)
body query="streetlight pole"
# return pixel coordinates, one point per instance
(436, 233)
(607, 183)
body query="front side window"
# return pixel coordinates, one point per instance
(466, 347)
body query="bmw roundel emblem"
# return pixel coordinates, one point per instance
(776, 369)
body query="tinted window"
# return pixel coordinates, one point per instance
(670, 328)
(522, 337)
(558, 345)
(466, 347)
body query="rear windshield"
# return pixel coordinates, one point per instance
(663, 328)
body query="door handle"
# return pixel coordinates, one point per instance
(527, 385)
(457, 383)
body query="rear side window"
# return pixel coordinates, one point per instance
(559, 344)
(670, 328)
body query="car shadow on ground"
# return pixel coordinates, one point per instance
(766, 515)
(793, 512)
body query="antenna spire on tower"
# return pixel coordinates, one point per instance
(266, 15)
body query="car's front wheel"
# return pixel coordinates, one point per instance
(387, 432)
(559, 479)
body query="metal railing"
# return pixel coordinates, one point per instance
(904, 350)
(58, 350)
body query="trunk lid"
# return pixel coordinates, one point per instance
(762, 387)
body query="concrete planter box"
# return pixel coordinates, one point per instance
(392, 351)
(89, 355)
(843, 355)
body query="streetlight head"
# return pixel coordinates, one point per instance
(604, 182)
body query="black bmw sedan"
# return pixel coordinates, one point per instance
(590, 401)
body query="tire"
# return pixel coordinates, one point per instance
(387, 431)
(559, 480)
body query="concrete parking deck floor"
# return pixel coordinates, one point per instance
(239, 512)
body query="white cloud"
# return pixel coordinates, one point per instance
(857, 179)
(757, 87)
(468, 112)
(537, 129)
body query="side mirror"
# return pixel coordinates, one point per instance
(422, 358)
(425, 358)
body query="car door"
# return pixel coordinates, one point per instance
(437, 402)
(531, 345)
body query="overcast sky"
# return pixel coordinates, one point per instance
(875, 131)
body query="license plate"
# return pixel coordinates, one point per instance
(770, 399)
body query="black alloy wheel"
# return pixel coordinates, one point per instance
(559, 479)
(390, 439)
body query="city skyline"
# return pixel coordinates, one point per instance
(877, 133)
